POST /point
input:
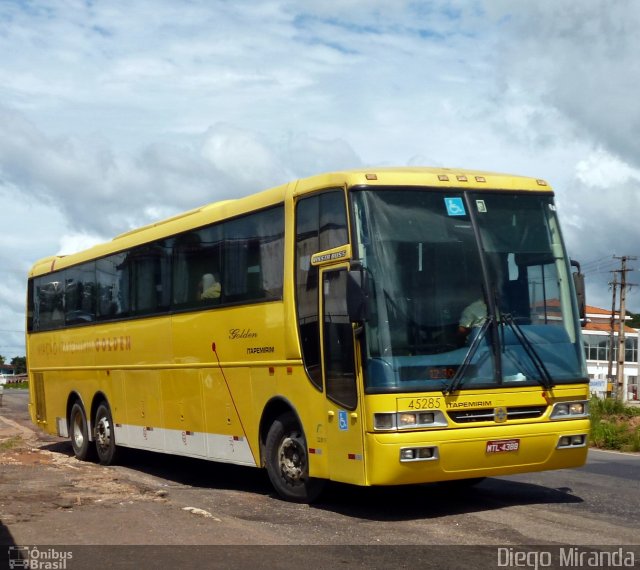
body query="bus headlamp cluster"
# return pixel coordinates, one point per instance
(570, 410)
(418, 454)
(390, 421)
(572, 441)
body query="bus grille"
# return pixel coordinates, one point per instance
(488, 414)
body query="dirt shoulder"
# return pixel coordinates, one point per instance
(49, 497)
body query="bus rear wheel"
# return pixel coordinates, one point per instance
(79, 433)
(104, 435)
(287, 461)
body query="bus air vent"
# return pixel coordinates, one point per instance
(487, 414)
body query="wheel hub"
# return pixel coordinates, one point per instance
(78, 437)
(103, 433)
(292, 459)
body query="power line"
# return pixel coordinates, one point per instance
(597, 266)
(598, 271)
(597, 262)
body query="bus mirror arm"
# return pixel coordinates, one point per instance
(578, 283)
(358, 293)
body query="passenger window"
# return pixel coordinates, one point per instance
(333, 220)
(112, 280)
(80, 294)
(150, 278)
(338, 341)
(321, 224)
(254, 254)
(197, 265)
(49, 302)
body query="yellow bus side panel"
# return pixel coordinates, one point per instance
(182, 400)
(230, 335)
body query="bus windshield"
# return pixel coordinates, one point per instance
(467, 290)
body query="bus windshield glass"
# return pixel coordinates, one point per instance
(471, 290)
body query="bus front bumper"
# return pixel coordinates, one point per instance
(474, 452)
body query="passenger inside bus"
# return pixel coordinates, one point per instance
(209, 287)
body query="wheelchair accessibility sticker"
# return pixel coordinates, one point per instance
(455, 206)
(343, 425)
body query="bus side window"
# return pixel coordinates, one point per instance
(80, 294)
(195, 255)
(254, 256)
(321, 224)
(333, 221)
(49, 291)
(112, 280)
(307, 243)
(338, 341)
(150, 277)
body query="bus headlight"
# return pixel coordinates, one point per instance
(384, 422)
(579, 440)
(408, 420)
(570, 410)
(418, 454)
(415, 419)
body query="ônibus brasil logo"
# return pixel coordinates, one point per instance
(35, 558)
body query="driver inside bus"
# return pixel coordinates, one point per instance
(209, 287)
(473, 315)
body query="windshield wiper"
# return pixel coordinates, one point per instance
(457, 380)
(545, 379)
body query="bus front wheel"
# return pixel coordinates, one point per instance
(287, 461)
(104, 435)
(79, 432)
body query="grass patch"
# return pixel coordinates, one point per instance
(614, 425)
(16, 385)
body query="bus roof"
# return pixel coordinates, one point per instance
(217, 211)
(421, 176)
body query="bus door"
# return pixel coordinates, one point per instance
(343, 406)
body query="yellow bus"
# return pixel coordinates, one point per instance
(375, 327)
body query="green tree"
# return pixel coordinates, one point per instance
(1, 359)
(635, 320)
(19, 363)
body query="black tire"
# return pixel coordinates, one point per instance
(287, 461)
(105, 438)
(79, 433)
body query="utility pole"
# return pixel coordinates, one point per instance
(610, 378)
(621, 388)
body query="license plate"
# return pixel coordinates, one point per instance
(503, 445)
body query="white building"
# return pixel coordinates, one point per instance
(596, 335)
(7, 373)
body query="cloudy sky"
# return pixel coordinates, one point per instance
(115, 113)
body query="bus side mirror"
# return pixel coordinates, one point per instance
(578, 282)
(358, 294)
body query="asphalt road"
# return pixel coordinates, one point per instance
(594, 507)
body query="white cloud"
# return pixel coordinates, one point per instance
(581, 59)
(243, 157)
(72, 243)
(602, 170)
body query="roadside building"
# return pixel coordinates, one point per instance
(597, 342)
(7, 373)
